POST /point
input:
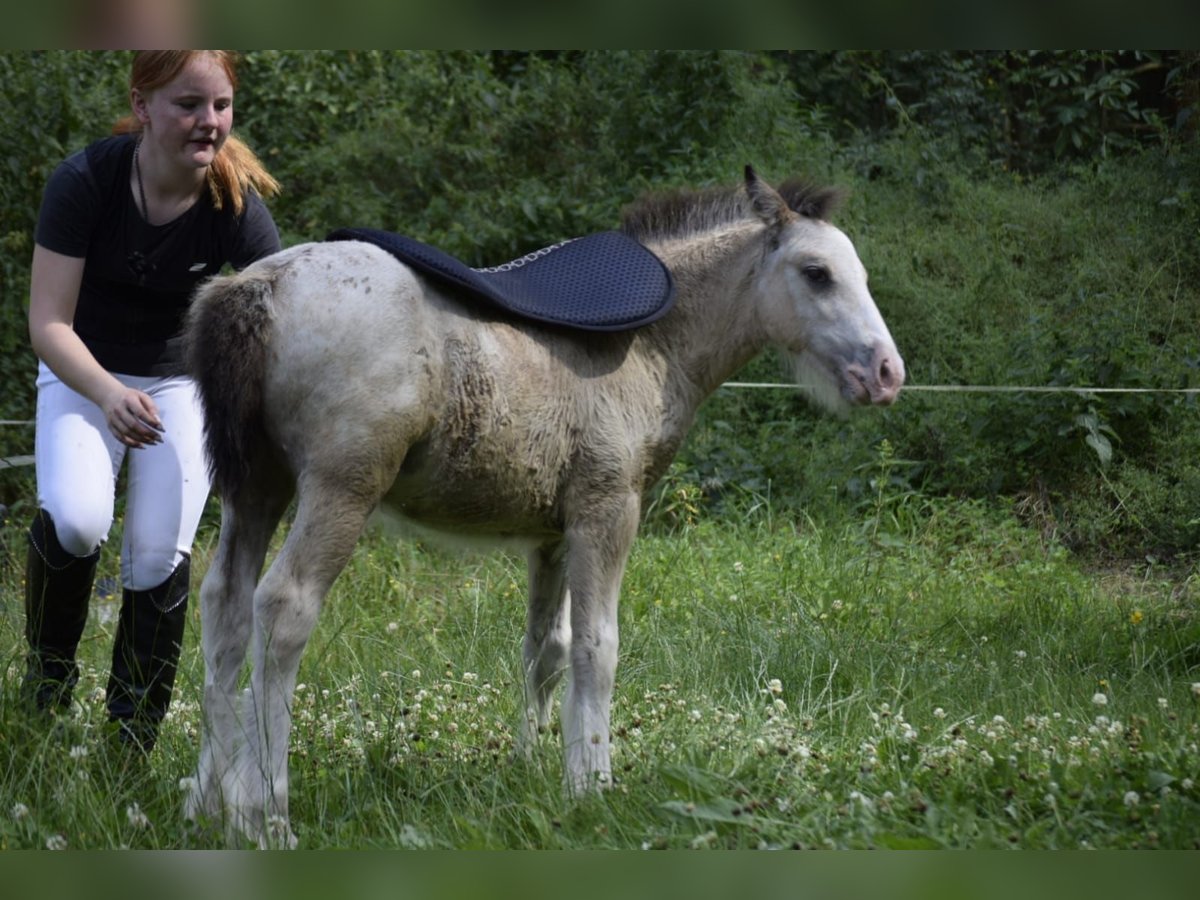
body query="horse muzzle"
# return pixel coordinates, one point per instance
(877, 379)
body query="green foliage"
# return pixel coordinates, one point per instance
(1019, 110)
(1087, 282)
(491, 155)
(1028, 218)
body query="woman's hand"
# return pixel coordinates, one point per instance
(132, 417)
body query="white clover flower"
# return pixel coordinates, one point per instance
(780, 706)
(986, 758)
(1131, 799)
(19, 811)
(837, 605)
(1021, 654)
(1100, 699)
(393, 627)
(939, 713)
(910, 733)
(79, 751)
(1162, 703)
(738, 567)
(1196, 688)
(775, 686)
(415, 673)
(136, 817)
(56, 842)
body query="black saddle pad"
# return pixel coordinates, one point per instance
(601, 282)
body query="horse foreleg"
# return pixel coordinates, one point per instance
(286, 605)
(597, 550)
(547, 640)
(247, 523)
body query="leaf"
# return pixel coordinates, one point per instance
(718, 809)
(1158, 780)
(691, 781)
(1101, 445)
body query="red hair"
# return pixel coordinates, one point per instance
(235, 169)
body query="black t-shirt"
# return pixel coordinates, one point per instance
(138, 278)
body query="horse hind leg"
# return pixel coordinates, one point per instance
(248, 521)
(287, 601)
(547, 641)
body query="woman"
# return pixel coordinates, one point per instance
(128, 227)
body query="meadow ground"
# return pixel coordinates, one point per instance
(929, 675)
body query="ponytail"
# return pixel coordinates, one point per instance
(236, 170)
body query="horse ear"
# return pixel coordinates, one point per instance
(768, 203)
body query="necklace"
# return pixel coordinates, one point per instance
(138, 264)
(137, 170)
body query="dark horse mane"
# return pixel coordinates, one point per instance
(678, 213)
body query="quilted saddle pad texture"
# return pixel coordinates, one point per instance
(601, 282)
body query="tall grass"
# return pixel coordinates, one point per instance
(929, 674)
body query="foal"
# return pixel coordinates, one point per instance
(331, 373)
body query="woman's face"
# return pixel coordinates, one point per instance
(189, 118)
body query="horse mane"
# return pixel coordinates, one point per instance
(679, 213)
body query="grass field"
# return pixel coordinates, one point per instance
(926, 675)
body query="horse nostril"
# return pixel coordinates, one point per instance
(889, 372)
(886, 373)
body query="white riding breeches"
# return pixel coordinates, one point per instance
(78, 461)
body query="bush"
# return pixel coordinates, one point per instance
(1027, 218)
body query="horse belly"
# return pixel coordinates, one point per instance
(487, 495)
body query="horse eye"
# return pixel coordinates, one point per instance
(818, 275)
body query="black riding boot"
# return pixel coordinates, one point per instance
(58, 586)
(145, 657)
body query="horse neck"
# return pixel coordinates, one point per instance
(713, 329)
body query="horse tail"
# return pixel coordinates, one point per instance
(225, 341)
